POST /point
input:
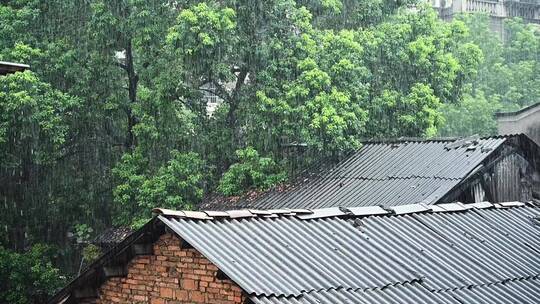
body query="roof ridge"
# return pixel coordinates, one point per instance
(518, 111)
(306, 214)
(389, 177)
(390, 140)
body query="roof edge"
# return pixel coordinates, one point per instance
(517, 112)
(343, 211)
(93, 276)
(11, 67)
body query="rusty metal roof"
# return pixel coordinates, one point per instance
(439, 255)
(380, 173)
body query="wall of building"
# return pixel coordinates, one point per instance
(526, 121)
(511, 179)
(172, 275)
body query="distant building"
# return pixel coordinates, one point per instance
(210, 98)
(10, 67)
(498, 10)
(526, 120)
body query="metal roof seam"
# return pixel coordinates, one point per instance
(317, 213)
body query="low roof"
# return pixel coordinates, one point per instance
(431, 250)
(112, 236)
(384, 173)
(448, 253)
(521, 112)
(10, 67)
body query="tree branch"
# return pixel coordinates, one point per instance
(122, 66)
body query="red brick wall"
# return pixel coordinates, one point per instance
(171, 276)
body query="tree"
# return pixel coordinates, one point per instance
(175, 185)
(418, 63)
(507, 79)
(250, 172)
(35, 134)
(118, 91)
(29, 277)
(474, 115)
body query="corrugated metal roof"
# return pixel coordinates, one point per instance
(11, 67)
(407, 293)
(461, 256)
(394, 173)
(287, 255)
(510, 292)
(464, 249)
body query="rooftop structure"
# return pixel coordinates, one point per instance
(399, 172)
(10, 67)
(526, 120)
(452, 253)
(498, 10)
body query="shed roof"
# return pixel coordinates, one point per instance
(449, 253)
(380, 173)
(10, 67)
(523, 111)
(112, 236)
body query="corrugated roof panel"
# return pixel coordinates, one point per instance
(356, 193)
(408, 293)
(387, 174)
(287, 256)
(511, 292)
(458, 249)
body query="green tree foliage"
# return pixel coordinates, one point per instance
(175, 185)
(34, 120)
(417, 63)
(321, 103)
(508, 78)
(34, 136)
(473, 115)
(250, 172)
(27, 278)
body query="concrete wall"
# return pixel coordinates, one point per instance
(525, 121)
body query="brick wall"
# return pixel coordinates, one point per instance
(171, 276)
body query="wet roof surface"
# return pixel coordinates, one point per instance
(386, 173)
(451, 254)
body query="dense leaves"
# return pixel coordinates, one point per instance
(29, 277)
(175, 185)
(34, 120)
(508, 79)
(251, 171)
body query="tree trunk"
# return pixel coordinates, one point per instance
(233, 107)
(133, 80)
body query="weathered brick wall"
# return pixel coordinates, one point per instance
(171, 276)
